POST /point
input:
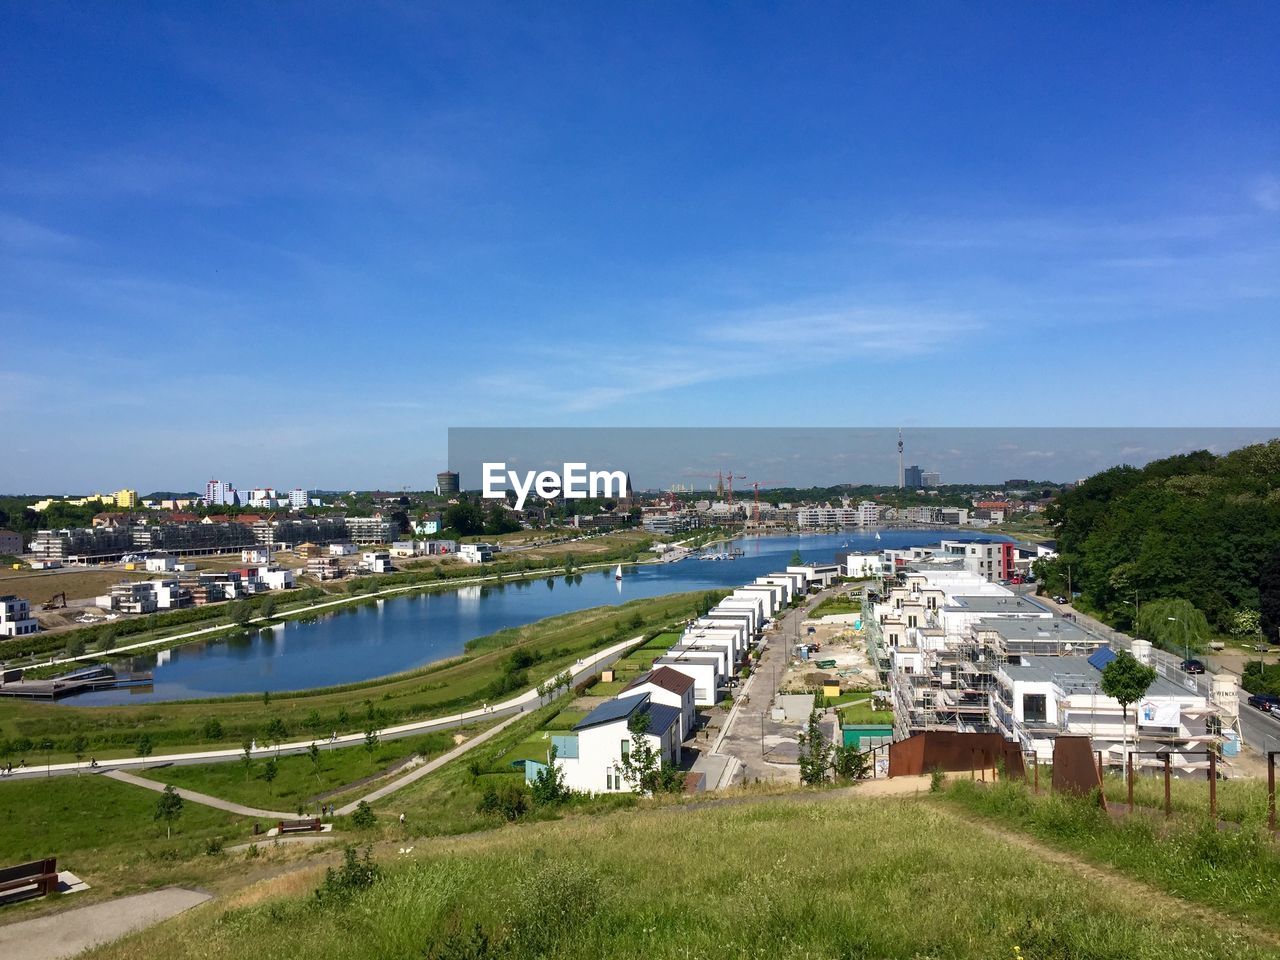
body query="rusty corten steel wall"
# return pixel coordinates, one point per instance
(953, 752)
(1075, 769)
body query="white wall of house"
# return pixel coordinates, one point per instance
(701, 670)
(682, 702)
(722, 651)
(598, 766)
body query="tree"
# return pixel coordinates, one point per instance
(277, 732)
(815, 752)
(246, 757)
(795, 559)
(144, 745)
(78, 747)
(370, 743)
(548, 786)
(1246, 624)
(1269, 598)
(270, 770)
(168, 809)
(1126, 680)
(240, 613)
(640, 764)
(850, 763)
(314, 753)
(363, 817)
(1174, 625)
(267, 607)
(213, 729)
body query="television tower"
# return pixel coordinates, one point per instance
(902, 473)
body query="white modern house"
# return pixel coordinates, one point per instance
(342, 550)
(669, 687)
(702, 669)
(257, 555)
(475, 552)
(734, 619)
(735, 630)
(591, 756)
(376, 561)
(15, 617)
(282, 579)
(161, 564)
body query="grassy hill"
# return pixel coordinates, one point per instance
(804, 875)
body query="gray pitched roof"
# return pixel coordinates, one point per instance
(620, 708)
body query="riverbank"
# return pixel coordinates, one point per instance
(500, 663)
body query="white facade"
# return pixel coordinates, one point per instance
(658, 693)
(282, 579)
(15, 617)
(597, 748)
(702, 670)
(376, 561)
(299, 499)
(255, 555)
(475, 553)
(342, 549)
(160, 564)
(858, 566)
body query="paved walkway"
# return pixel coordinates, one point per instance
(202, 798)
(529, 700)
(71, 932)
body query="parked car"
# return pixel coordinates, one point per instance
(1266, 702)
(1192, 666)
(1059, 599)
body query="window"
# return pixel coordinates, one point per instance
(626, 748)
(1034, 708)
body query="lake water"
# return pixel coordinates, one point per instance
(399, 633)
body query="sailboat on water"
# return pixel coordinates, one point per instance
(877, 534)
(617, 574)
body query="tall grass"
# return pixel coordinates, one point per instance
(775, 879)
(1232, 868)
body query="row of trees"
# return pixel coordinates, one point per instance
(1197, 527)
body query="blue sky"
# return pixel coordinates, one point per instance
(293, 244)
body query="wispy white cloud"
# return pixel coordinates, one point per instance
(20, 235)
(1266, 193)
(722, 348)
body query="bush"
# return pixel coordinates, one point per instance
(363, 817)
(355, 874)
(510, 801)
(213, 847)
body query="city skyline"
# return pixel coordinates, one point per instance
(313, 248)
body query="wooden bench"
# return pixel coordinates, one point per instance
(42, 874)
(310, 825)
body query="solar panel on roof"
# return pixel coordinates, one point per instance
(611, 710)
(1101, 657)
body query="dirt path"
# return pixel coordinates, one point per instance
(1126, 887)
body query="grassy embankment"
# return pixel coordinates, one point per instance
(1232, 869)
(301, 783)
(498, 665)
(106, 833)
(785, 878)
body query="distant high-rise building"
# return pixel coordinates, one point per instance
(448, 483)
(913, 478)
(902, 480)
(932, 480)
(299, 499)
(219, 494)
